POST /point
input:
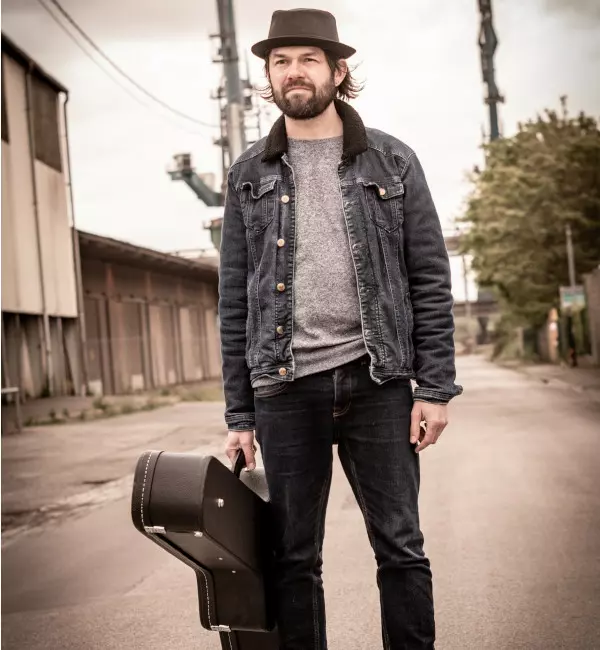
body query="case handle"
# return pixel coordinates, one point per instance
(239, 463)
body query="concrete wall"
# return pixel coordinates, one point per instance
(592, 291)
(147, 328)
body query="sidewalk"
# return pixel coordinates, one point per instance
(49, 473)
(69, 408)
(583, 380)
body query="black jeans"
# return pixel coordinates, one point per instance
(297, 424)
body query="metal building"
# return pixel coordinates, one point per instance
(41, 349)
(150, 317)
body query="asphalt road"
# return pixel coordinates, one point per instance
(510, 507)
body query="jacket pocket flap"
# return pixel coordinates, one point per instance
(388, 189)
(259, 189)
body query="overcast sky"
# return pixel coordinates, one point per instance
(419, 58)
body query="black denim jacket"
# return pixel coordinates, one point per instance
(401, 264)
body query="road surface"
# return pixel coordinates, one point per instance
(510, 505)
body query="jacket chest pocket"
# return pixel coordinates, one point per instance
(258, 203)
(385, 202)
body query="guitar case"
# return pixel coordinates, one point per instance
(216, 521)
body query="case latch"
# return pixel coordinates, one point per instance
(154, 529)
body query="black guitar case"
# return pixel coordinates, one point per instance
(217, 522)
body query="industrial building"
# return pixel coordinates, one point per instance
(81, 313)
(41, 351)
(150, 318)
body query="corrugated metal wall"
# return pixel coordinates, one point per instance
(147, 329)
(21, 283)
(39, 297)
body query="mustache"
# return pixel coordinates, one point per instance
(296, 84)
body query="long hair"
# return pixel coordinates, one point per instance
(348, 89)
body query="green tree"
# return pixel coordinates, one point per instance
(534, 183)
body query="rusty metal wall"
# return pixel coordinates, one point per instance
(24, 361)
(147, 328)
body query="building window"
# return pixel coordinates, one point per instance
(4, 117)
(45, 124)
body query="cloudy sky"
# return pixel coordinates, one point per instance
(419, 58)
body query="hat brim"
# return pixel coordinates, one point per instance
(262, 48)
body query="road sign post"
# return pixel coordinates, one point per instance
(572, 298)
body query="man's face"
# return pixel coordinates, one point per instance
(302, 81)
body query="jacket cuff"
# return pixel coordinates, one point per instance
(241, 422)
(435, 396)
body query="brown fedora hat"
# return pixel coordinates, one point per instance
(303, 27)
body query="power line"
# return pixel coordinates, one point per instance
(114, 65)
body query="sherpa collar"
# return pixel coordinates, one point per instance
(355, 135)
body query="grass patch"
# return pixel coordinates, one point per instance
(150, 405)
(101, 404)
(128, 407)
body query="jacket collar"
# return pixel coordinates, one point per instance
(355, 135)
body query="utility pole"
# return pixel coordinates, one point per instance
(471, 342)
(237, 106)
(228, 56)
(488, 43)
(570, 255)
(236, 101)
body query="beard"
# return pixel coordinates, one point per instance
(308, 105)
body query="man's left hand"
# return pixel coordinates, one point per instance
(435, 418)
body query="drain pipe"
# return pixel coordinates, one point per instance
(45, 316)
(84, 386)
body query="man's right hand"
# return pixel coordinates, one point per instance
(243, 440)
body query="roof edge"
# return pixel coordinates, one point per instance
(11, 49)
(124, 248)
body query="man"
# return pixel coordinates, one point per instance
(334, 293)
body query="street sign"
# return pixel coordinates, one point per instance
(572, 297)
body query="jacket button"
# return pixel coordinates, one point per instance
(381, 191)
(282, 372)
(280, 242)
(281, 287)
(280, 330)
(285, 198)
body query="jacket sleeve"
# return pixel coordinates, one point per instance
(429, 281)
(233, 314)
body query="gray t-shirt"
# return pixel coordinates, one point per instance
(327, 323)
